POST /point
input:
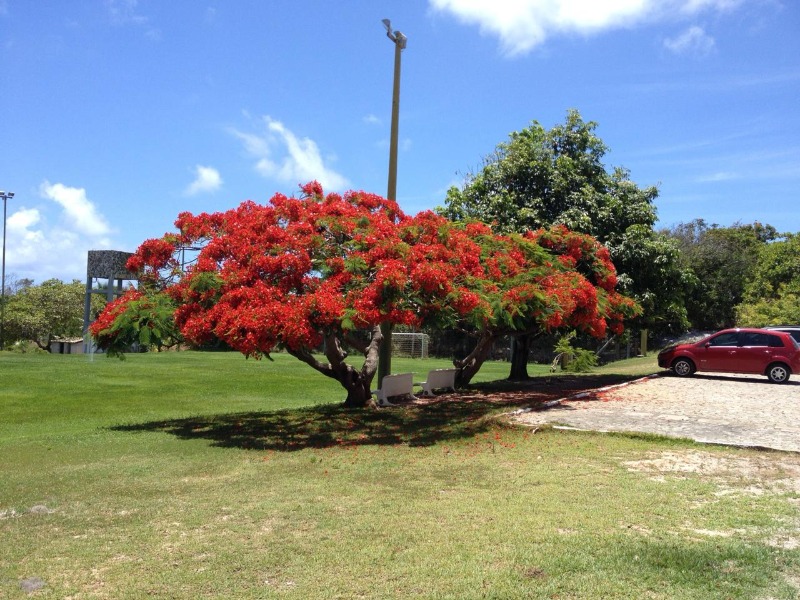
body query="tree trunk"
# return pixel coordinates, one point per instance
(356, 382)
(520, 350)
(358, 394)
(468, 367)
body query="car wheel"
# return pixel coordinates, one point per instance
(682, 367)
(778, 373)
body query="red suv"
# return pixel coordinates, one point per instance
(772, 353)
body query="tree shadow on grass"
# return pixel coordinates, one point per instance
(421, 423)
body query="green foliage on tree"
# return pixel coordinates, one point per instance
(539, 178)
(40, 313)
(777, 265)
(722, 262)
(782, 309)
(544, 177)
(142, 318)
(772, 296)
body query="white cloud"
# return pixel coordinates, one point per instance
(25, 241)
(23, 219)
(79, 211)
(371, 119)
(207, 179)
(521, 25)
(124, 12)
(695, 6)
(42, 244)
(717, 177)
(282, 155)
(692, 41)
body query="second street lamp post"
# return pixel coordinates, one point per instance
(5, 196)
(385, 354)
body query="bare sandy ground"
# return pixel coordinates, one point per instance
(738, 410)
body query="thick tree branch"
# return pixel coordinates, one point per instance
(308, 358)
(371, 354)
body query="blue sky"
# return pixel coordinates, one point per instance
(116, 115)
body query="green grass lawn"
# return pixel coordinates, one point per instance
(204, 475)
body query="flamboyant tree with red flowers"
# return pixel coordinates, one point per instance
(318, 274)
(551, 279)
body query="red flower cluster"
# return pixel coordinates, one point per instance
(103, 325)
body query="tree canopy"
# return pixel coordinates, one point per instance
(40, 313)
(721, 262)
(543, 177)
(540, 178)
(322, 272)
(772, 296)
(571, 286)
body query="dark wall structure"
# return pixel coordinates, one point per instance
(106, 265)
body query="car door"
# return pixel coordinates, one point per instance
(719, 353)
(754, 353)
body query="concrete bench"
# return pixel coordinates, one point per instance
(401, 384)
(439, 379)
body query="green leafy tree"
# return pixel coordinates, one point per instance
(782, 309)
(777, 265)
(722, 261)
(772, 297)
(540, 178)
(142, 316)
(40, 313)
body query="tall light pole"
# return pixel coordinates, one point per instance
(5, 196)
(399, 40)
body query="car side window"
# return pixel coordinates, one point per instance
(750, 338)
(725, 339)
(775, 342)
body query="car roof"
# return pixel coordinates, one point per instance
(775, 331)
(745, 329)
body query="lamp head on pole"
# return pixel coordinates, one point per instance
(6, 195)
(396, 36)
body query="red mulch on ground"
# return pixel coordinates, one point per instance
(516, 394)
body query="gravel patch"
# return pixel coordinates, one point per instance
(735, 410)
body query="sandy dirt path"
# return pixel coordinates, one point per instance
(738, 410)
